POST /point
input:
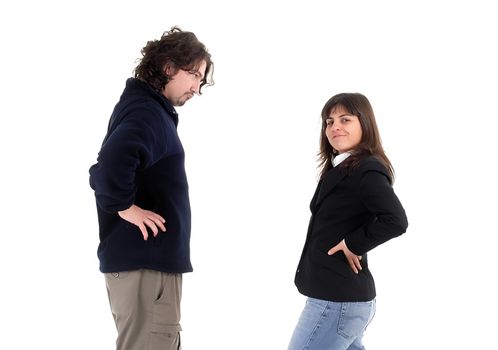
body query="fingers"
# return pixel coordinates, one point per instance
(154, 226)
(144, 231)
(144, 219)
(336, 248)
(353, 259)
(353, 267)
(354, 262)
(158, 221)
(150, 224)
(155, 222)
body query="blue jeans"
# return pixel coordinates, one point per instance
(327, 325)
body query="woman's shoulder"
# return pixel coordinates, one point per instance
(372, 163)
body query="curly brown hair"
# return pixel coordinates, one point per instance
(370, 144)
(180, 49)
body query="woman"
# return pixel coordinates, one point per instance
(354, 209)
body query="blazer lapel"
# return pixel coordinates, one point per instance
(329, 181)
(315, 196)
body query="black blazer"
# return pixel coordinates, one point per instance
(361, 208)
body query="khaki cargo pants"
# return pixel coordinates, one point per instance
(145, 305)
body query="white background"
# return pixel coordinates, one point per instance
(430, 72)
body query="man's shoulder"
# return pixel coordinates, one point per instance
(145, 109)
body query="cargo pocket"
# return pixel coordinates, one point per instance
(165, 328)
(165, 338)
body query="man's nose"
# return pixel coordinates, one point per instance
(196, 87)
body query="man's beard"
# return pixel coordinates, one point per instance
(183, 99)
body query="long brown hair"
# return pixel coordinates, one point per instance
(370, 144)
(180, 49)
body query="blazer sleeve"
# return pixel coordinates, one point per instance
(135, 144)
(378, 197)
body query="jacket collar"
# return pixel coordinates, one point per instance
(137, 87)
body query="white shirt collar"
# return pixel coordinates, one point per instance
(338, 159)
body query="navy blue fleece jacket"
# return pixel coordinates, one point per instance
(141, 162)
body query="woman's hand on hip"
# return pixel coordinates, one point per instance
(353, 259)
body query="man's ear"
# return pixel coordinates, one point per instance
(168, 69)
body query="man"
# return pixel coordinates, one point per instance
(142, 193)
